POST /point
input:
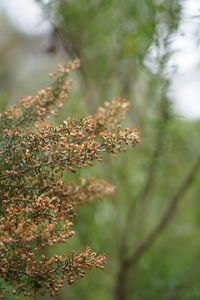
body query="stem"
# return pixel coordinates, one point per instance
(121, 286)
(131, 260)
(169, 213)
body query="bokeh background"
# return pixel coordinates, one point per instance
(147, 51)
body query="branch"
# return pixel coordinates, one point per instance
(127, 263)
(148, 241)
(151, 172)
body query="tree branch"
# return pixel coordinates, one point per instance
(151, 172)
(131, 260)
(146, 243)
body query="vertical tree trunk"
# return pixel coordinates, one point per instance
(121, 285)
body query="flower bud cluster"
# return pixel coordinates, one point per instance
(37, 208)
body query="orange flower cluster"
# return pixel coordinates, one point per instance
(37, 207)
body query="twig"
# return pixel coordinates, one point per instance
(151, 173)
(131, 260)
(167, 215)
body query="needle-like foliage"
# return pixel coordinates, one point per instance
(37, 208)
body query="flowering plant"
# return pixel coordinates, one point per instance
(37, 207)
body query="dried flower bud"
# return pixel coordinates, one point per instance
(37, 207)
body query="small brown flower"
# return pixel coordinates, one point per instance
(37, 207)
